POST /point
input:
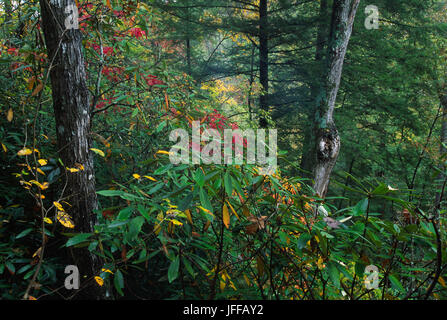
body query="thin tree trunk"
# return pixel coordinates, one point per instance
(263, 62)
(251, 81)
(188, 40)
(442, 148)
(71, 103)
(327, 139)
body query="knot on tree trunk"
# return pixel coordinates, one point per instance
(328, 144)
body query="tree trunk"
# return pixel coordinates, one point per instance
(306, 154)
(188, 39)
(327, 141)
(442, 149)
(71, 103)
(263, 62)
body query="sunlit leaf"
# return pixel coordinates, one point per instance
(97, 151)
(225, 216)
(99, 281)
(65, 219)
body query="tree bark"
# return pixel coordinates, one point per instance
(71, 103)
(263, 62)
(327, 140)
(306, 154)
(442, 149)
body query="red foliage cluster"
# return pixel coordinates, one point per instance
(219, 122)
(114, 74)
(215, 120)
(108, 51)
(103, 102)
(137, 33)
(152, 80)
(13, 51)
(119, 14)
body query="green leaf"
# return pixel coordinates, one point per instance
(228, 184)
(110, 193)
(135, 227)
(144, 212)
(77, 239)
(24, 233)
(396, 283)
(381, 189)
(160, 126)
(199, 177)
(10, 266)
(125, 214)
(188, 267)
(156, 188)
(173, 269)
(334, 274)
(162, 170)
(204, 200)
(302, 241)
(360, 208)
(185, 203)
(359, 268)
(117, 224)
(118, 281)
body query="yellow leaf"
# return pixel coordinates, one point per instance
(31, 298)
(38, 252)
(43, 186)
(320, 264)
(24, 152)
(232, 210)
(40, 171)
(106, 270)
(97, 151)
(65, 219)
(246, 279)
(188, 216)
(441, 281)
(157, 228)
(72, 170)
(9, 115)
(150, 178)
(206, 210)
(225, 216)
(42, 162)
(58, 206)
(163, 152)
(222, 285)
(136, 176)
(4, 148)
(47, 220)
(99, 281)
(176, 222)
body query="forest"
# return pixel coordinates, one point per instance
(223, 150)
